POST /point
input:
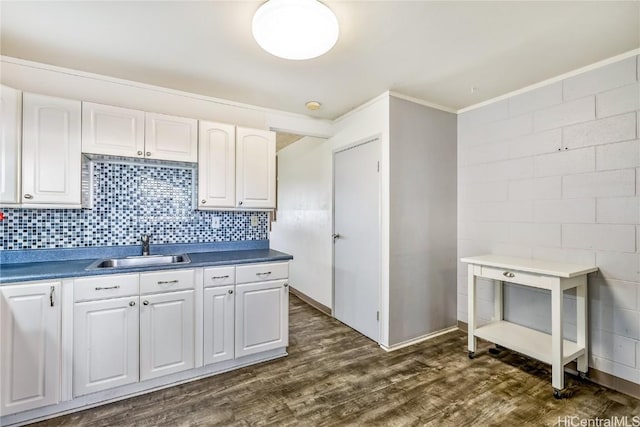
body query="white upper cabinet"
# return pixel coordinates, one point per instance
(118, 131)
(31, 342)
(51, 151)
(112, 130)
(255, 168)
(216, 165)
(10, 132)
(171, 138)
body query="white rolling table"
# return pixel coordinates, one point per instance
(554, 276)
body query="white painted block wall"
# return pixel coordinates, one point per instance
(554, 173)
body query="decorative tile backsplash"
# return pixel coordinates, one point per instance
(129, 200)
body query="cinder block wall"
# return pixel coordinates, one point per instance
(554, 173)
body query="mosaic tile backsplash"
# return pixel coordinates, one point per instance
(129, 200)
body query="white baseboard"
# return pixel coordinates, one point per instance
(419, 339)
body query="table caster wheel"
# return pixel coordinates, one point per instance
(557, 393)
(582, 375)
(472, 354)
(499, 347)
(495, 351)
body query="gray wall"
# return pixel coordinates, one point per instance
(422, 295)
(554, 174)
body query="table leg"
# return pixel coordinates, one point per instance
(557, 366)
(471, 310)
(581, 325)
(497, 300)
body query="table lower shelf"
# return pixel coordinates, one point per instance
(527, 341)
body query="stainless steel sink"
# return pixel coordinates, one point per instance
(140, 261)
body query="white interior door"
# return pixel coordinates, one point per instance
(357, 238)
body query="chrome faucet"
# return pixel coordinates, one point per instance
(145, 244)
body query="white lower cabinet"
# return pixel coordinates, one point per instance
(122, 337)
(133, 327)
(30, 346)
(166, 334)
(105, 344)
(262, 316)
(219, 306)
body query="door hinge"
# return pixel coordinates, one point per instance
(378, 166)
(378, 316)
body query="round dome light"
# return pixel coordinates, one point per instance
(295, 29)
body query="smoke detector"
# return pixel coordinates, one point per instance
(313, 105)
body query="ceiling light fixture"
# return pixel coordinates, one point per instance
(295, 29)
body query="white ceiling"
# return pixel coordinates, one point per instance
(434, 51)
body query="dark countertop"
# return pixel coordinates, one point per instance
(32, 271)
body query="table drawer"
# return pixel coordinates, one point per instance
(219, 276)
(108, 286)
(530, 279)
(261, 272)
(163, 281)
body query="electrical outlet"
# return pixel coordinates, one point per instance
(215, 222)
(254, 221)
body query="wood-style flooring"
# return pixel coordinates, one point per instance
(334, 376)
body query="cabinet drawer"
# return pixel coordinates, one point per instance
(219, 276)
(262, 272)
(530, 279)
(108, 286)
(173, 280)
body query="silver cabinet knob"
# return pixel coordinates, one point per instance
(132, 303)
(286, 285)
(230, 291)
(508, 274)
(148, 153)
(240, 203)
(28, 196)
(145, 302)
(203, 201)
(336, 236)
(139, 153)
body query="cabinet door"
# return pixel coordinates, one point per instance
(216, 165)
(171, 138)
(167, 335)
(112, 130)
(10, 131)
(218, 324)
(51, 158)
(262, 317)
(105, 341)
(255, 168)
(30, 346)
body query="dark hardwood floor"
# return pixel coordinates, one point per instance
(335, 376)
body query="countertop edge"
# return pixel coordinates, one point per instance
(81, 271)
